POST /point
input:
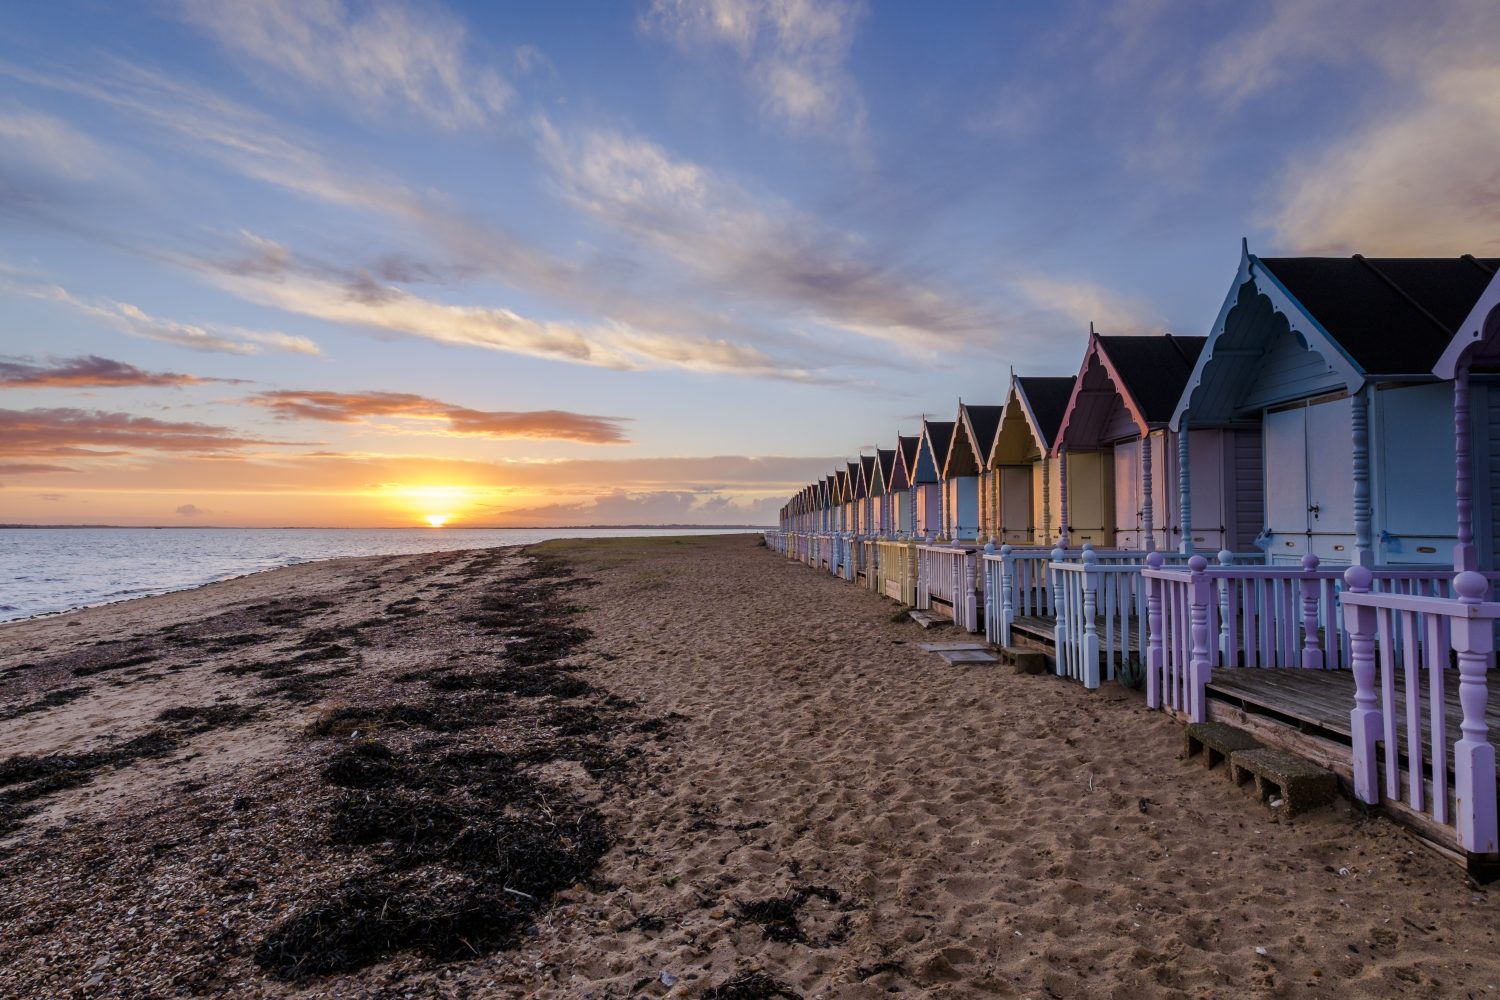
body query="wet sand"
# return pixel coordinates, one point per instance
(792, 796)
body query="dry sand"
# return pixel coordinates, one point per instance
(797, 794)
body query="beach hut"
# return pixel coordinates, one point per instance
(884, 496)
(851, 497)
(962, 467)
(903, 486)
(1123, 401)
(1333, 362)
(865, 496)
(1025, 497)
(932, 450)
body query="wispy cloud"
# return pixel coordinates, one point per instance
(436, 416)
(51, 144)
(748, 246)
(90, 371)
(648, 507)
(1418, 176)
(1082, 302)
(793, 52)
(65, 431)
(275, 278)
(377, 56)
(30, 468)
(132, 320)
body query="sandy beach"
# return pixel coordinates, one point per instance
(668, 767)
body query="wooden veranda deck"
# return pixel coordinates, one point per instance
(1307, 712)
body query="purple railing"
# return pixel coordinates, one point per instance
(1395, 640)
(1202, 617)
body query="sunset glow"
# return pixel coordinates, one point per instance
(437, 520)
(365, 264)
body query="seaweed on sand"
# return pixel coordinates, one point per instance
(751, 986)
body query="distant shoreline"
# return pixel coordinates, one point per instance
(403, 527)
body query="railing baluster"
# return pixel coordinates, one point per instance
(1364, 720)
(1473, 755)
(1437, 707)
(1388, 704)
(1412, 680)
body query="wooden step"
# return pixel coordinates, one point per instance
(1301, 784)
(1025, 660)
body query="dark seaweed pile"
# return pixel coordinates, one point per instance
(461, 844)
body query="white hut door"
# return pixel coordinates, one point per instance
(1286, 482)
(1330, 479)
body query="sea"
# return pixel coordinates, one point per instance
(46, 570)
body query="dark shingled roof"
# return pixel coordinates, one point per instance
(1392, 315)
(984, 421)
(887, 459)
(908, 448)
(1154, 370)
(940, 432)
(1048, 398)
(867, 466)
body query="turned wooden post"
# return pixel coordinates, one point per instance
(1473, 755)
(1228, 654)
(991, 609)
(1046, 535)
(970, 560)
(1364, 553)
(1090, 626)
(1148, 504)
(1062, 499)
(1465, 556)
(1185, 489)
(1007, 598)
(1199, 666)
(1155, 648)
(1312, 649)
(1365, 721)
(1060, 608)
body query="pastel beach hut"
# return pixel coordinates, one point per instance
(1332, 361)
(1117, 483)
(932, 447)
(884, 518)
(903, 486)
(1024, 495)
(964, 473)
(865, 495)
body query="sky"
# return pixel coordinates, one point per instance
(347, 263)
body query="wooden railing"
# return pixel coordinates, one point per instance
(1018, 582)
(948, 573)
(1394, 640)
(896, 571)
(827, 551)
(1100, 611)
(1204, 617)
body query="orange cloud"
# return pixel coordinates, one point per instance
(353, 407)
(68, 431)
(88, 371)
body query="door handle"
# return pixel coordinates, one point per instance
(1314, 509)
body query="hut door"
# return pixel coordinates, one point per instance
(1286, 482)
(1309, 494)
(1016, 521)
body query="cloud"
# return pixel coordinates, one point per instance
(344, 407)
(275, 280)
(88, 371)
(136, 322)
(50, 143)
(376, 56)
(1082, 302)
(95, 433)
(191, 510)
(750, 248)
(650, 507)
(793, 52)
(30, 468)
(1419, 181)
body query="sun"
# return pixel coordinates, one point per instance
(437, 520)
